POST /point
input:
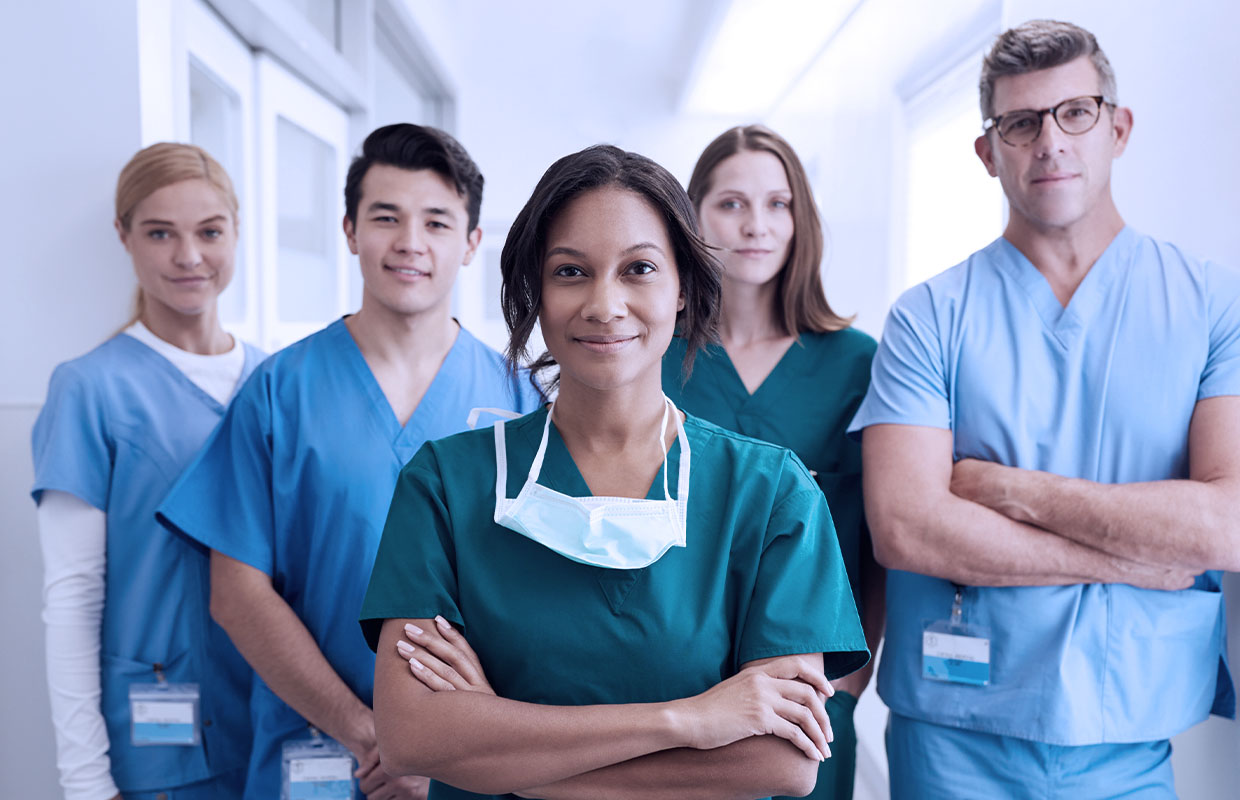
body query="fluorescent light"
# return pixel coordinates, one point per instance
(761, 50)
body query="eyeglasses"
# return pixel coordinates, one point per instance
(1075, 116)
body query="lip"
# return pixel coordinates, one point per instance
(190, 280)
(612, 343)
(753, 252)
(405, 272)
(1055, 177)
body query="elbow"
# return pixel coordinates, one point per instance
(801, 778)
(893, 540)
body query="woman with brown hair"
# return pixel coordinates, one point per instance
(788, 369)
(149, 697)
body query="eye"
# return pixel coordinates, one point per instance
(730, 204)
(158, 234)
(1018, 123)
(436, 224)
(642, 268)
(781, 204)
(568, 271)
(212, 233)
(387, 218)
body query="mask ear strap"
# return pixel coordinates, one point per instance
(536, 467)
(682, 479)
(501, 470)
(667, 404)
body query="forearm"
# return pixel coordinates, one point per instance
(280, 648)
(760, 766)
(1181, 523)
(490, 745)
(73, 535)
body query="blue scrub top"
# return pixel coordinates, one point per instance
(760, 575)
(297, 480)
(1104, 390)
(119, 425)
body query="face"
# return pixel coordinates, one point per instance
(183, 241)
(1059, 179)
(610, 290)
(748, 213)
(411, 237)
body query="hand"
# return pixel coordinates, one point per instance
(982, 482)
(782, 698)
(376, 784)
(443, 661)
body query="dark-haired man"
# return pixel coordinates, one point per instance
(1052, 468)
(291, 492)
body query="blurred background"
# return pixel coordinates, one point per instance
(879, 97)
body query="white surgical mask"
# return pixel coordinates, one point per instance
(613, 532)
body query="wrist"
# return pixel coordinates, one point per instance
(359, 733)
(677, 723)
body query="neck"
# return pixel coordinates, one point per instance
(748, 313)
(610, 420)
(194, 333)
(1065, 254)
(386, 337)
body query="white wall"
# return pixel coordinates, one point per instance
(70, 100)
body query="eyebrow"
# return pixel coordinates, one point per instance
(215, 218)
(573, 253)
(431, 210)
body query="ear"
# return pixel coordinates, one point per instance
(680, 303)
(123, 234)
(350, 234)
(472, 242)
(985, 151)
(1121, 127)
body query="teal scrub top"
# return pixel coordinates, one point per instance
(1103, 389)
(119, 425)
(805, 404)
(295, 483)
(760, 575)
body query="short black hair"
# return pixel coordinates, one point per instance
(414, 147)
(602, 165)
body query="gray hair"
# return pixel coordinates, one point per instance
(1041, 44)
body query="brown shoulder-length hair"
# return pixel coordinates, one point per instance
(802, 303)
(521, 261)
(163, 164)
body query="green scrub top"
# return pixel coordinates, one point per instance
(805, 404)
(761, 574)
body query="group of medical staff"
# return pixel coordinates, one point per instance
(645, 563)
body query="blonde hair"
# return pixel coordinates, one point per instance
(163, 164)
(802, 304)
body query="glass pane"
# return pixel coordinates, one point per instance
(306, 202)
(215, 126)
(323, 15)
(395, 99)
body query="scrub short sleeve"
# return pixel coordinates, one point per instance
(223, 499)
(802, 601)
(908, 383)
(72, 449)
(414, 576)
(1221, 375)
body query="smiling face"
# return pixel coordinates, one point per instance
(1059, 180)
(183, 241)
(411, 237)
(610, 290)
(748, 214)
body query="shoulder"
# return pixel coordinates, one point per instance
(106, 364)
(848, 345)
(736, 456)
(1173, 262)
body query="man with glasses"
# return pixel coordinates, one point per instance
(1052, 468)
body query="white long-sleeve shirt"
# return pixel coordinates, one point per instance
(73, 537)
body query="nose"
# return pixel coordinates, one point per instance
(753, 224)
(1051, 137)
(607, 301)
(187, 255)
(411, 239)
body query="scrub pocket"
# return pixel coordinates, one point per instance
(152, 767)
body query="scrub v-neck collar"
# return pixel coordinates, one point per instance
(405, 440)
(730, 384)
(160, 362)
(1066, 323)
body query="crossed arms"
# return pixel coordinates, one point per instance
(982, 524)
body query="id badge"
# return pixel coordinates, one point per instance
(956, 653)
(164, 713)
(318, 768)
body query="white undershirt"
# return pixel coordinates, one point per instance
(73, 536)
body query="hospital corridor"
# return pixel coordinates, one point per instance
(336, 332)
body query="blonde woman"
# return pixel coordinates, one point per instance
(149, 697)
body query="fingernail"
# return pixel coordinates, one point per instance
(441, 622)
(413, 662)
(405, 648)
(828, 754)
(414, 629)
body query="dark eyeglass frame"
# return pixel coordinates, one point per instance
(1099, 99)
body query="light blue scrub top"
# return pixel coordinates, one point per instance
(119, 425)
(1102, 390)
(760, 575)
(297, 480)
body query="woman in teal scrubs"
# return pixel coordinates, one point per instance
(788, 370)
(657, 603)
